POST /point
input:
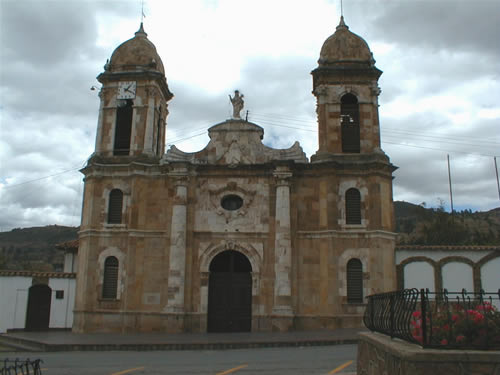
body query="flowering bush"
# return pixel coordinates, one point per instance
(455, 326)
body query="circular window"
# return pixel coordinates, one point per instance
(231, 202)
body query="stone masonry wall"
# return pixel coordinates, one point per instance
(379, 355)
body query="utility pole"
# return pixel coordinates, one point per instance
(449, 181)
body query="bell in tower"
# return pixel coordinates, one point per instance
(134, 99)
(346, 90)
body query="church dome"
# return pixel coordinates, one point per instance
(345, 47)
(136, 54)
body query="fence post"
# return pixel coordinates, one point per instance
(372, 313)
(423, 314)
(391, 306)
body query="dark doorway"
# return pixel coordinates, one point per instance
(230, 293)
(38, 314)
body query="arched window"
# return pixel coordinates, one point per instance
(352, 206)
(110, 279)
(123, 128)
(354, 281)
(349, 114)
(115, 206)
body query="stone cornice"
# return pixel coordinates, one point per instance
(123, 231)
(138, 75)
(349, 233)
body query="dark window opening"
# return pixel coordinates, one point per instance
(158, 132)
(59, 294)
(123, 127)
(352, 206)
(349, 114)
(110, 280)
(354, 281)
(231, 202)
(115, 206)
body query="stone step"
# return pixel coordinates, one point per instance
(15, 344)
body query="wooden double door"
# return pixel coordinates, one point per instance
(38, 313)
(230, 293)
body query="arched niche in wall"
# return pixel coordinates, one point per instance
(457, 276)
(490, 277)
(419, 275)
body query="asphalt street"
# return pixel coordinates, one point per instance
(336, 359)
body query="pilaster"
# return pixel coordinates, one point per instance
(282, 304)
(176, 274)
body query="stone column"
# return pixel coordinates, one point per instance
(150, 119)
(176, 274)
(282, 244)
(99, 146)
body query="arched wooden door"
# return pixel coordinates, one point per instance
(230, 293)
(38, 314)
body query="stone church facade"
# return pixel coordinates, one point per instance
(237, 236)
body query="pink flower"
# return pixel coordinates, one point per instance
(444, 342)
(478, 318)
(454, 318)
(460, 338)
(416, 314)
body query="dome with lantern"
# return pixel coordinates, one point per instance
(136, 54)
(345, 47)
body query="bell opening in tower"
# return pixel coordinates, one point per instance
(123, 127)
(349, 114)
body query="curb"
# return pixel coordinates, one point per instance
(32, 345)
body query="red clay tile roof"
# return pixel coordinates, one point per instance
(58, 275)
(68, 245)
(448, 247)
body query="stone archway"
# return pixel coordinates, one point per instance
(230, 293)
(38, 314)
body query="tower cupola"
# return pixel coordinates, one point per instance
(345, 47)
(136, 54)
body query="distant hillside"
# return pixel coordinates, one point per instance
(34, 248)
(418, 225)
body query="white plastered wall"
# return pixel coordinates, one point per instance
(14, 297)
(61, 310)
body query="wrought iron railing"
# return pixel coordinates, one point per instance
(437, 320)
(20, 367)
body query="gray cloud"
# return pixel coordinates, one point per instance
(455, 26)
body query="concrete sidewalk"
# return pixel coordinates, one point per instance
(69, 341)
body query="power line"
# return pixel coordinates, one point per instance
(442, 140)
(41, 178)
(278, 118)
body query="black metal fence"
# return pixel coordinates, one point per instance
(20, 367)
(437, 320)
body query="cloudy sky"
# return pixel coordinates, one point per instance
(440, 87)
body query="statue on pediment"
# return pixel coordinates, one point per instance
(238, 103)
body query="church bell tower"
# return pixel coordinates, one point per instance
(345, 84)
(134, 98)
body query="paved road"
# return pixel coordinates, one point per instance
(291, 361)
